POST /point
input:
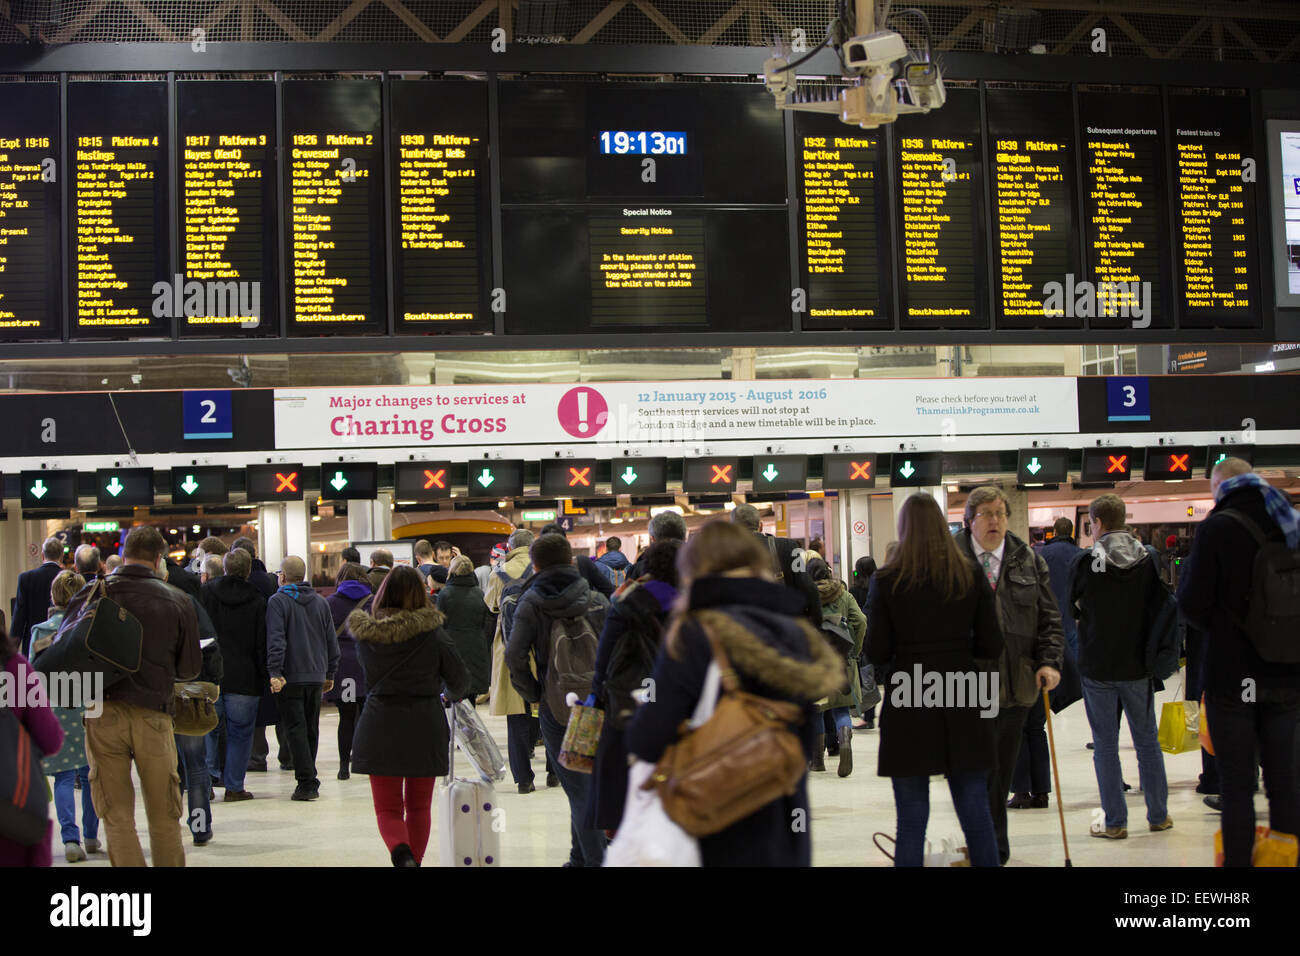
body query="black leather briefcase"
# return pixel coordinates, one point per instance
(104, 638)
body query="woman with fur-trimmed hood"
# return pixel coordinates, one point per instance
(402, 737)
(727, 587)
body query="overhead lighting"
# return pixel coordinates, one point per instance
(196, 528)
(615, 520)
(315, 517)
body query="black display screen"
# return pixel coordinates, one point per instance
(1035, 239)
(568, 477)
(335, 217)
(200, 485)
(1042, 466)
(48, 489)
(641, 268)
(849, 471)
(1217, 453)
(124, 487)
(30, 257)
(274, 482)
(1125, 210)
(916, 470)
(1217, 249)
(349, 481)
(1170, 463)
(117, 135)
(780, 473)
(422, 480)
(441, 243)
(844, 224)
(577, 142)
(495, 479)
(939, 165)
(228, 224)
(639, 476)
(710, 474)
(1106, 464)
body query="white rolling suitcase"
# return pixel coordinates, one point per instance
(466, 814)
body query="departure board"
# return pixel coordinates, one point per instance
(228, 237)
(1035, 240)
(647, 267)
(844, 222)
(1125, 211)
(335, 191)
(30, 301)
(441, 243)
(121, 275)
(939, 161)
(1217, 248)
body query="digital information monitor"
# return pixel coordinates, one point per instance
(117, 135)
(940, 182)
(30, 255)
(844, 225)
(1125, 211)
(1218, 250)
(849, 471)
(228, 225)
(335, 216)
(422, 480)
(1035, 242)
(639, 476)
(567, 477)
(1106, 464)
(710, 474)
(439, 147)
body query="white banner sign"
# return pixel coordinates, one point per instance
(631, 412)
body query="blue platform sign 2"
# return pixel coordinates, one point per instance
(207, 414)
(1128, 399)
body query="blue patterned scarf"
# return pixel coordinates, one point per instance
(1277, 503)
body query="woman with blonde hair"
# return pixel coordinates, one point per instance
(932, 618)
(728, 593)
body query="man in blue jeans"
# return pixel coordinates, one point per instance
(238, 612)
(558, 592)
(1252, 704)
(1116, 593)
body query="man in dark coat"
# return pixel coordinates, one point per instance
(1252, 705)
(595, 576)
(789, 560)
(258, 576)
(33, 604)
(468, 623)
(556, 592)
(238, 614)
(1034, 648)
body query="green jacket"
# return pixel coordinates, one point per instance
(839, 606)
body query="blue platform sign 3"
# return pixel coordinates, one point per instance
(1128, 399)
(207, 414)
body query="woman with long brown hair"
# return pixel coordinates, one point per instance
(933, 623)
(402, 737)
(728, 591)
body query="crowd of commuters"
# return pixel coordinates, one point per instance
(990, 622)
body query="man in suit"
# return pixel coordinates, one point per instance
(33, 604)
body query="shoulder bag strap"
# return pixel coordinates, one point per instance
(359, 606)
(1249, 524)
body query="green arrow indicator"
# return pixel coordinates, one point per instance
(629, 476)
(189, 485)
(39, 490)
(1222, 457)
(770, 472)
(907, 471)
(486, 478)
(114, 487)
(338, 481)
(1034, 467)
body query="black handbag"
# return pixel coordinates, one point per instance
(24, 802)
(104, 638)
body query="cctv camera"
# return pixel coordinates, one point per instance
(874, 50)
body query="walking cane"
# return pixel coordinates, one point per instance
(1056, 774)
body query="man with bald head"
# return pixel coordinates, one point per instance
(1252, 704)
(86, 561)
(302, 653)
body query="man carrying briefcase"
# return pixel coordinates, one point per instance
(136, 723)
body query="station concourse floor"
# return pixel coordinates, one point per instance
(339, 829)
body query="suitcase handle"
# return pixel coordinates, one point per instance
(451, 742)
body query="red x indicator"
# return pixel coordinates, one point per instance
(721, 475)
(1117, 464)
(861, 469)
(287, 482)
(1178, 462)
(434, 479)
(578, 476)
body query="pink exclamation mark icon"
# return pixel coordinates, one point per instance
(583, 412)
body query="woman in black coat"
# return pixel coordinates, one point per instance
(930, 616)
(728, 587)
(468, 623)
(402, 738)
(633, 628)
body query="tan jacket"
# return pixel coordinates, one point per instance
(505, 700)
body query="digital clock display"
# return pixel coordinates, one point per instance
(642, 143)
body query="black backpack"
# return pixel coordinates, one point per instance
(24, 804)
(1272, 621)
(632, 657)
(571, 663)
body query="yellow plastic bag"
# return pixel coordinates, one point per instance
(1272, 848)
(1179, 727)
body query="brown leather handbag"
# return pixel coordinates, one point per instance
(737, 762)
